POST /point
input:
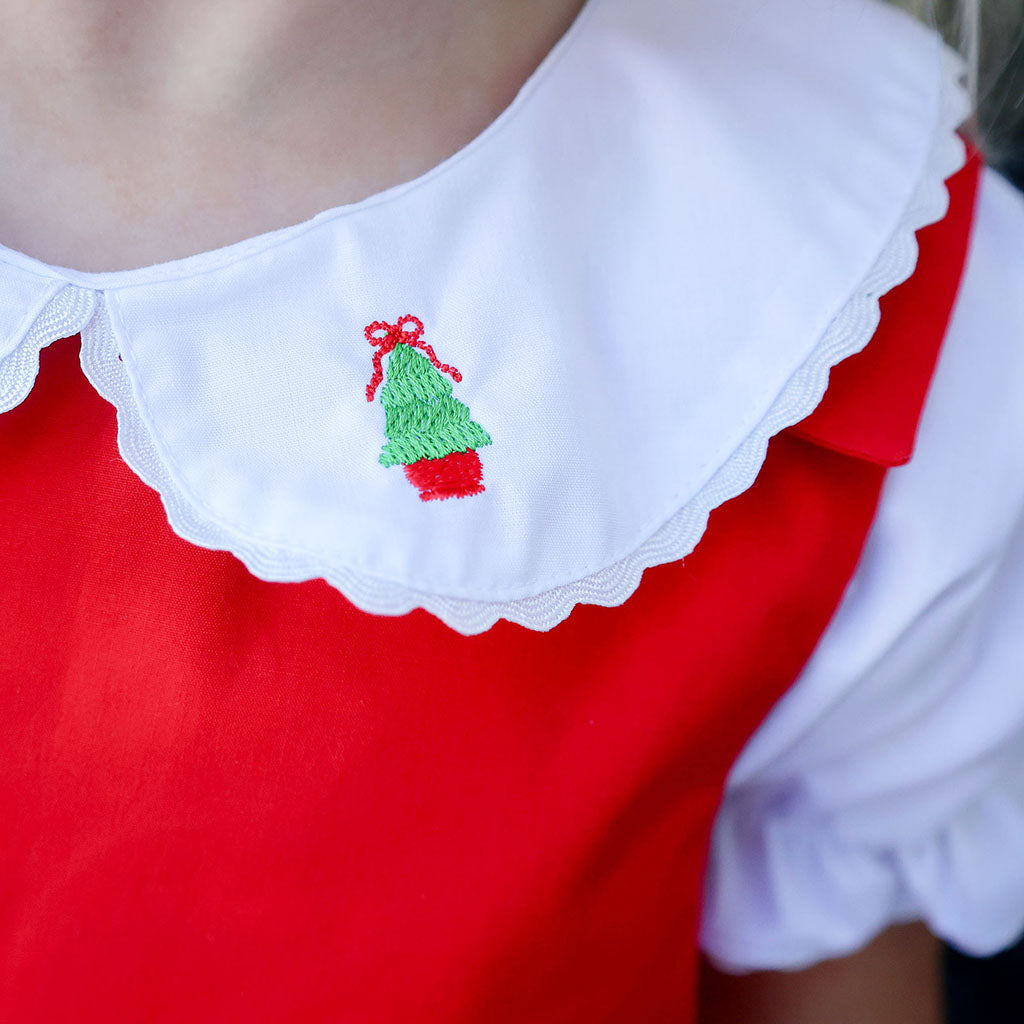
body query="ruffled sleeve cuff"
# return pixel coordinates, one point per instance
(888, 784)
(786, 892)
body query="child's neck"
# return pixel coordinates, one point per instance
(133, 133)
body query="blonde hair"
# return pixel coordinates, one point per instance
(990, 35)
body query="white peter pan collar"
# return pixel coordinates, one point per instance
(643, 269)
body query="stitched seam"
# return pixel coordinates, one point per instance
(27, 322)
(612, 581)
(646, 531)
(65, 313)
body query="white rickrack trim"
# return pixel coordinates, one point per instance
(62, 317)
(848, 333)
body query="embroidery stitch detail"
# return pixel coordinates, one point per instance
(393, 335)
(428, 430)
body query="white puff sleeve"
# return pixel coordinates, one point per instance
(888, 784)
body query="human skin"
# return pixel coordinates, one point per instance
(139, 132)
(894, 980)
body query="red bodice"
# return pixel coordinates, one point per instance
(230, 800)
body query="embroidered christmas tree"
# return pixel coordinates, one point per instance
(429, 431)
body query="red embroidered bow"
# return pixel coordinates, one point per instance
(386, 336)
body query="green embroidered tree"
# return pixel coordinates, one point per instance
(429, 431)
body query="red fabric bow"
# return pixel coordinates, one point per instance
(395, 334)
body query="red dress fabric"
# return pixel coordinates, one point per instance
(227, 800)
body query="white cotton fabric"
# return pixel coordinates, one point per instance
(643, 269)
(888, 784)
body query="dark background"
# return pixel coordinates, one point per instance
(986, 991)
(991, 991)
